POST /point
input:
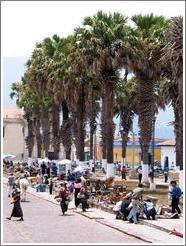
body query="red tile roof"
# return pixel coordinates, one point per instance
(13, 113)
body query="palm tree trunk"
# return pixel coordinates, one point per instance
(103, 129)
(124, 138)
(92, 131)
(91, 144)
(74, 130)
(66, 134)
(81, 124)
(126, 124)
(109, 102)
(55, 130)
(65, 110)
(109, 118)
(38, 137)
(146, 114)
(180, 108)
(30, 138)
(177, 131)
(66, 137)
(45, 124)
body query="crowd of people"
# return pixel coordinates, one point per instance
(46, 175)
(78, 188)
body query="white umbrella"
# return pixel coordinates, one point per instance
(9, 156)
(44, 160)
(65, 161)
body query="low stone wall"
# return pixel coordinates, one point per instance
(173, 175)
(132, 184)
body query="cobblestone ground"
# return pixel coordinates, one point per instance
(43, 223)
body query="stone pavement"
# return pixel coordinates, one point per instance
(150, 231)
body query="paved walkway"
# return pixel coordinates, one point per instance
(150, 231)
(43, 223)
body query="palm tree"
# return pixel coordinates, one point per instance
(42, 75)
(92, 110)
(126, 108)
(142, 54)
(34, 104)
(173, 58)
(99, 38)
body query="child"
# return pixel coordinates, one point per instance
(150, 210)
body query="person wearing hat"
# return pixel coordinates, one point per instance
(63, 195)
(17, 210)
(125, 209)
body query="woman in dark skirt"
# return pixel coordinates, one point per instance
(63, 194)
(17, 210)
(77, 188)
(83, 196)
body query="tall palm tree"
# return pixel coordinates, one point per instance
(99, 37)
(34, 104)
(173, 58)
(143, 53)
(76, 93)
(42, 72)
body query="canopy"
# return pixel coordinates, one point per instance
(65, 161)
(9, 156)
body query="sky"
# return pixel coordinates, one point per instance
(24, 23)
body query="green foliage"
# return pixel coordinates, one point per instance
(28, 98)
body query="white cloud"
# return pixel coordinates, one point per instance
(25, 23)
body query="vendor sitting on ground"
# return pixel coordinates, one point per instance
(125, 209)
(136, 204)
(149, 210)
(134, 213)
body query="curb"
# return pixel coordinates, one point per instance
(129, 234)
(100, 221)
(143, 222)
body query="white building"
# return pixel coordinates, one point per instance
(168, 149)
(14, 132)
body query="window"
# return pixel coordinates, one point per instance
(3, 131)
